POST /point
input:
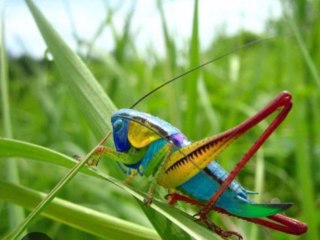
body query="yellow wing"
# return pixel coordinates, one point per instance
(190, 160)
(141, 135)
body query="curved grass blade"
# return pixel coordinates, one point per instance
(72, 68)
(16, 214)
(21, 149)
(76, 216)
(95, 105)
(194, 60)
(87, 92)
(46, 201)
(97, 110)
(303, 153)
(311, 65)
(15, 148)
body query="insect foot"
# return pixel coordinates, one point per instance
(147, 200)
(91, 163)
(77, 157)
(218, 230)
(171, 198)
(94, 160)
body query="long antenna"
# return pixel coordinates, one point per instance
(201, 66)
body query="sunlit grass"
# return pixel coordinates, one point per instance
(15, 213)
(227, 92)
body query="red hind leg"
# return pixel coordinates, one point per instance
(277, 222)
(282, 103)
(220, 231)
(174, 197)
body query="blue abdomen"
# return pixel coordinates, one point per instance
(203, 186)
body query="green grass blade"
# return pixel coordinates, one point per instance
(304, 119)
(304, 173)
(285, 63)
(169, 43)
(46, 201)
(14, 148)
(82, 218)
(5, 103)
(16, 214)
(123, 41)
(170, 67)
(165, 229)
(304, 49)
(95, 104)
(88, 93)
(80, 82)
(194, 55)
(259, 182)
(109, 14)
(97, 108)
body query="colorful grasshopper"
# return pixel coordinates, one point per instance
(154, 147)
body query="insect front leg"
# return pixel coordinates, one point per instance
(103, 151)
(130, 178)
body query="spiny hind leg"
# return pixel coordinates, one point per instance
(174, 197)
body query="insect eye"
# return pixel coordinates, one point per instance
(117, 125)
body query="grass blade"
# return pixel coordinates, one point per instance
(14, 148)
(88, 93)
(303, 48)
(95, 105)
(46, 201)
(82, 218)
(170, 66)
(303, 163)
(16, 214)
(194, 56)
(80, 81)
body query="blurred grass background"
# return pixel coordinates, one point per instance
(202, 104)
